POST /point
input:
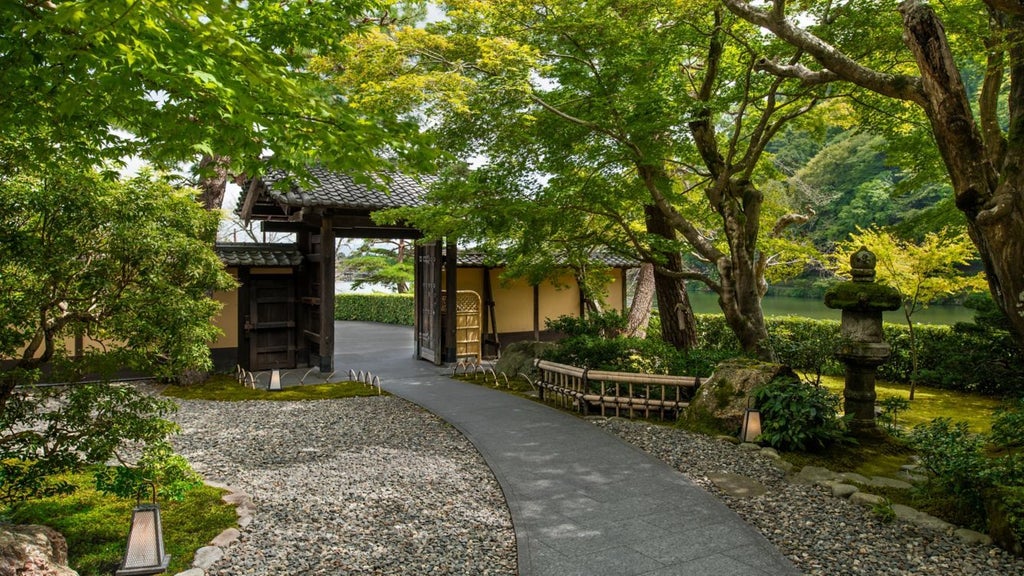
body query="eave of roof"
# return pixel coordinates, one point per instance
(243, 255)
(470, 259)
(336, 191)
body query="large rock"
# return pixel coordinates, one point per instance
(29, 550)
(517, 358)
(721, 400)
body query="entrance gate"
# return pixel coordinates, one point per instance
(428, 302)
(270, 324)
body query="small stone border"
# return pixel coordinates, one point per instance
(850, 486)
(207, 556)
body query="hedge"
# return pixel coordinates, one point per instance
(962, 357)
(384, 308)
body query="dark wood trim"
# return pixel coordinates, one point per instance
(451, 285)
(623, 279)
(244, 349)
(327, 268)
(536, 312)
(489, 330)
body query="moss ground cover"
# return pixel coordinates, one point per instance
(96, 525)
(223, 387)
(931, 403)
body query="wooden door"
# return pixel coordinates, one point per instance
(270, 327)
(428, 302)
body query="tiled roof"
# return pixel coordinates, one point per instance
(337, 190)
(478, 259)
(258, 254)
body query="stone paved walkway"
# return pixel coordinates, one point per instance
(582, 501)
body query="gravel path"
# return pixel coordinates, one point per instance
(379, 486)
(821, 534)
(356, 486)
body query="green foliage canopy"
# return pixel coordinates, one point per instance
(127, 267)
(94, 81)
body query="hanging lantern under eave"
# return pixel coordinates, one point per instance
(144, 554)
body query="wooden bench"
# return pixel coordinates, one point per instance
(614, 393)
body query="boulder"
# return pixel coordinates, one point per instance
(517, 358)
(721, 400)
(30, 550)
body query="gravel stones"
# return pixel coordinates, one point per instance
(821, 534)
(355, 486)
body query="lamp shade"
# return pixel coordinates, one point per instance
(751, 425)
(145, 552)
(275, 380)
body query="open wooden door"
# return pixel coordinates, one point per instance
(270, 325)
(428, 302)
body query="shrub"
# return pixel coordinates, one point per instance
(646, 356)
(602, 324)
(384, 308)
(966, 357)
(954, 458)
(799, 416)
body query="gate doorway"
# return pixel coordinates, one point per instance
(428, 301)
(270, 322)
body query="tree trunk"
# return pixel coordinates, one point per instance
(988, 183)
(678, 326)
(213, 180)
(643, 297)
(741, 284)
(913, 353)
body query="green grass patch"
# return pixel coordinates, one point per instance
(225, 388)
(932, 403)
(869, 457)
(96, 525)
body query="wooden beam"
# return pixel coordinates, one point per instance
(452, 287)
(536, 312)
(327, 264)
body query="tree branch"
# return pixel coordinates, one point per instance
(895, 86)
(798, 71)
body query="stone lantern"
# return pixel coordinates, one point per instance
(862, 348)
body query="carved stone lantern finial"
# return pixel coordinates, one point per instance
(862, 265)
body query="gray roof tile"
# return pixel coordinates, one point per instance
(242, 255)
(471, 259)
(341, 191)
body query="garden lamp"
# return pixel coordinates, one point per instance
(751, 424)
(275, 380)
(144, 554)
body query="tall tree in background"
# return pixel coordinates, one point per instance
(382, 262)
(645, 118)
(93, 82)
(981, 148)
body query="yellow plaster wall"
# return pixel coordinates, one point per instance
(514, 300)
(227, 319)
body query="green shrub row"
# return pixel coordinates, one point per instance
(384, 308)
(964, 357)
(979, 478)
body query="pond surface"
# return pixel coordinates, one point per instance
(707, 303)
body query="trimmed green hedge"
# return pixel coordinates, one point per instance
(961, 357)
(384, 308)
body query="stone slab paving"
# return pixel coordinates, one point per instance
(582, 501)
